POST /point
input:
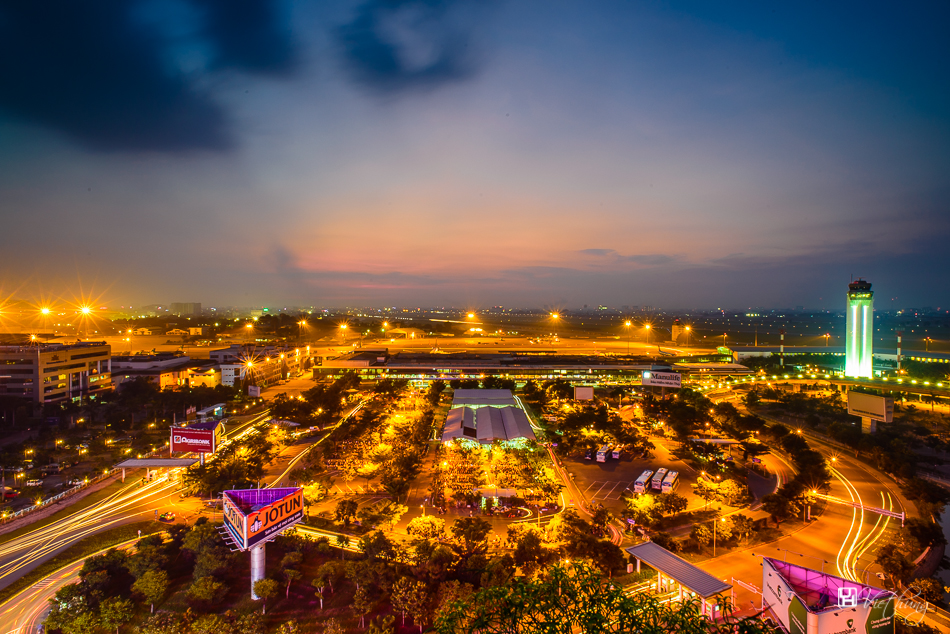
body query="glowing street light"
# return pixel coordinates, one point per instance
(627, 325)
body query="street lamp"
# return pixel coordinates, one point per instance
(247, 331)
(688, 329)
(827, 337)
(647, 327)
(627, 324)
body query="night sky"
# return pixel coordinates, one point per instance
(475, 153)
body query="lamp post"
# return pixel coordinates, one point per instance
(247, 331)
(627, 325)
(300, 325)
(688, 329)
(343, 333)
(647, 327)
(827, 337)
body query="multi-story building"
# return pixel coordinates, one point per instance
(860, 333)
(262, 366)
(52, 373)
(186, 309)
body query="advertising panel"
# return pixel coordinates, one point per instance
(198, 440)
(274, 518)
(850, 608)
(871, 406)
(662, 379)
(254, 390)
(583, 393)
(234, 520)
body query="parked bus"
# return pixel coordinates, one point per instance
(671, 481)
(618, 451)
(643, 482)
(657, 482)
(603, 453)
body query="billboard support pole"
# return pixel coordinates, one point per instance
(201, 458)
(257, 568)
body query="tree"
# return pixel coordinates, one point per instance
(702, 534)
(928, 588)
(150, 555)
(741, 525)
(575, 598)
(400, 596)
(471, 534)
(333, 626)
(152, 585)
(376, 545)
(363, 603)
(779, 507)
(327, 575)
(289, 565)
(382, 624)
(732, 493)
(665, 540)
(289, 627)
(417, 608)
(449, 593)
(426, 527)
(210, 624)
(115, 612)
(266, 589)
(345, 511)
(673, 503)
(342, 541)
(207, 590)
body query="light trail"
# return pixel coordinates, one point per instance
(841, 558)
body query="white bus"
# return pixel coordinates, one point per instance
(671, 481)
(603, 453)
(643, 482)
(618, 451)
(657, 482)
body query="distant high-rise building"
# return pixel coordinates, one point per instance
(860, 334)
(186, 309)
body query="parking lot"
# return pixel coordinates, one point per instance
(605, 482)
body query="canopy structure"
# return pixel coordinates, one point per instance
(678, 569)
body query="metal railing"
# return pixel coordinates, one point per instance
(59, 496)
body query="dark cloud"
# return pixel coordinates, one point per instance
(394, 45)
(104, 79)
(249, 35)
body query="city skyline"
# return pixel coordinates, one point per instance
(467, 154)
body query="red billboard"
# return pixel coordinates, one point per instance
(196, 440)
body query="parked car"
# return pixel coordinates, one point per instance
(75, 482)
(34, 483)
(166, 517)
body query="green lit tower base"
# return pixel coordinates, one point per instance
(860, 336)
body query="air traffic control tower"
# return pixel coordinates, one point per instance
(860, 334)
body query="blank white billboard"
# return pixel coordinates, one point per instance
(871, 406)
(583, 393)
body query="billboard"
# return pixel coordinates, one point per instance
(254, 516)
(583, 393)
(871, 406)
(199, 440)
(831, 605)
(253, 390)
(662, 379)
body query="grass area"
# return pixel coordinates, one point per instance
(69, 509)
(86, 547)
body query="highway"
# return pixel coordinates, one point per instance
(25, 611)
(136, 501)
(842, 541)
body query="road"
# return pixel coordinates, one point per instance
(133, 503)
(23, 613)
(843, 541)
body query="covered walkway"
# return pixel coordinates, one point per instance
(676, 570)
